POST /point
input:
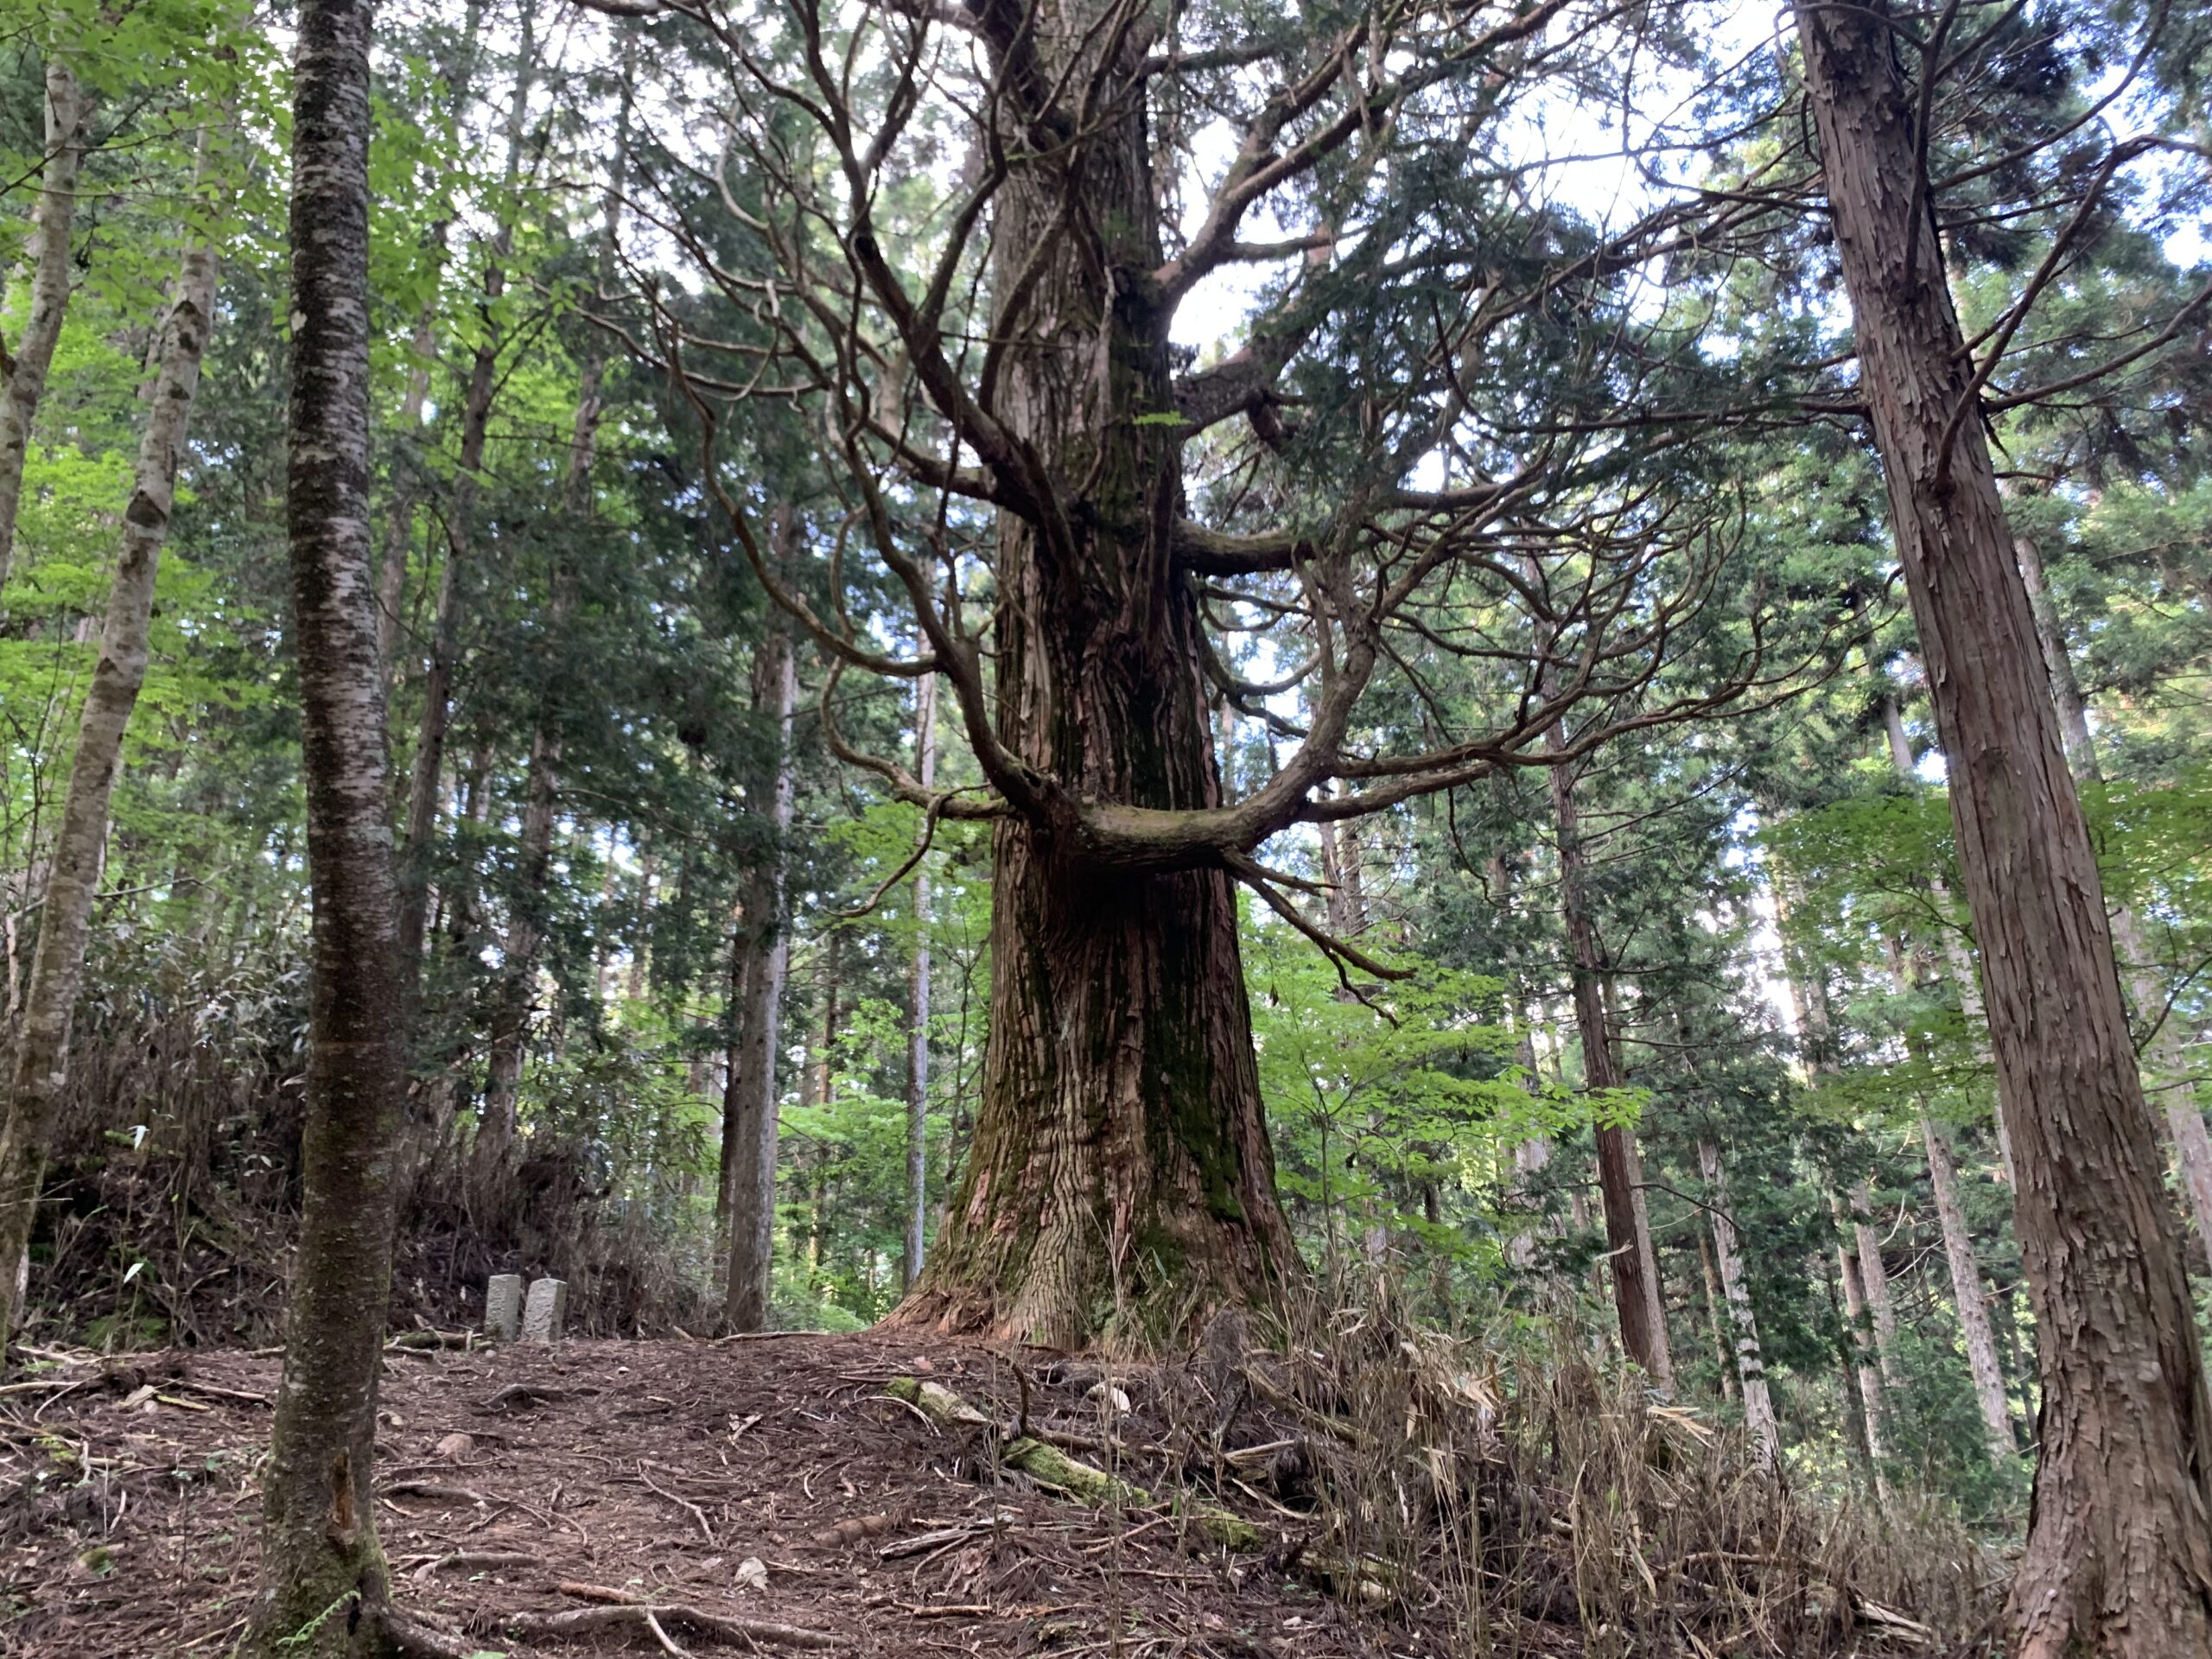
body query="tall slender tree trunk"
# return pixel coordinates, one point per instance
(41, 1055)
(460, 537)
(399, 531)
(1958, 960)
(750, 1116)
(526, 917)
(2166, 1051)
(2119, 1554)
(51, 219)
(324, 1590)
(399, 525)
(1875, 1277)
(1633, 1263)
(1865, 1366)
(1119, 1182)
(1751, 1362)
(1959, 1256)
(1966, 1289)
(917, 1006)
(1724, 1363)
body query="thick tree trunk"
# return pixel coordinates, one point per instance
(1620, 1179)
(917, 1008)
(2118, 1556)
(2167, 1050)
(1119, 1182)
(51, 220)
(323, 1580)
(460, 537)
(749, 1130)
(1965, 1291)
(42, 1054)
(1751, 1363)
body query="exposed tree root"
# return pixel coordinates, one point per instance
(645, 1615)
(1035, 1456)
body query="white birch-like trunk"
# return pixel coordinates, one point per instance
(64, 926)
(51, 220)
(1966, 1289)
(1751, 1363)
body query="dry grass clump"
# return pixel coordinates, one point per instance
(1533, 1494)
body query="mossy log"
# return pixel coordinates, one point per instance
(937, 1403)
(1048, 1465)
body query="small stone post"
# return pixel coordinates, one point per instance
(503, 1307)
(545, 1311)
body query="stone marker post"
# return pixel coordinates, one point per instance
(545, 1311)
(503, 1307)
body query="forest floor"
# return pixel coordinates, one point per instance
(750, 1482)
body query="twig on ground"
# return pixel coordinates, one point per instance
(721, 1625)
(697, 1514)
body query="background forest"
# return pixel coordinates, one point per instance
(1688, 901)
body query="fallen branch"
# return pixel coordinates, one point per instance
(521, 1394)
(927, 1540)
(432, 1489)
(474, 1561)
(645, 1616)
(1044, 1462)
(697, 1514)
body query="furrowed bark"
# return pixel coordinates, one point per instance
(323, 1591)
(51, 220)
(1119, 1182)
(1959, 1256)
(749, 1132)
(917, 1008)
(2119, 1554)
(1627, 1233)
(57, 970)
(1751, 1363)
(2169, 1063)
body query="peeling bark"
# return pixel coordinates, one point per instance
(2169, 1063)
(1119, 1182)
(2119, 1554)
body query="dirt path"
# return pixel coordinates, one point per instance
(757, 1480)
